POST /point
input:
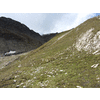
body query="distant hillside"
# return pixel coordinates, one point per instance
(47, 37)
(15, 36)
(69, 60)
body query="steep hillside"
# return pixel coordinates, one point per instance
(70, 60)
(15, 36)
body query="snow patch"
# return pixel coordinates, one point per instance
(10, 52)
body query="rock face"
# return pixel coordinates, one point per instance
(89, 39)
(15, 36)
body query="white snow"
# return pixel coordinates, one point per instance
(10, 52)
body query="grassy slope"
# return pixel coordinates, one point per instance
(55, 64)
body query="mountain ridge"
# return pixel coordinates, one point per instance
(15, 36)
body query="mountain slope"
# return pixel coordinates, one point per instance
(15, 36)
(71, 59)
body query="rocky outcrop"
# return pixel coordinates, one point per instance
(89, 37)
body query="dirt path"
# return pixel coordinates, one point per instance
(61, 37)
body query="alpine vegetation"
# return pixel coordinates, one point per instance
(71, 59)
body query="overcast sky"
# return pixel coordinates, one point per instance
(45, 23)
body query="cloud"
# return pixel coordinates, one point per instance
(47, 22)
(44, 23)
(58, 22)
(71, 20)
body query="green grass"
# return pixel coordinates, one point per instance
(55, 65)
